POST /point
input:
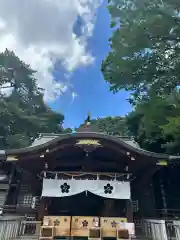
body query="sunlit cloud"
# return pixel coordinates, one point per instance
(41, 32)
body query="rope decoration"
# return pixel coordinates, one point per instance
(93, 174)
(113, 176)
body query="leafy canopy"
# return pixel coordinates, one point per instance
(23, 114)
(156, 123)
(145, 47)
(144, 59)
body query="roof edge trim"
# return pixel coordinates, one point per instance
(100, 136)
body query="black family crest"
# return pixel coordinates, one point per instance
(56, 222)
(108, 189)
(113, 224)
(85, 223)
(65, 188)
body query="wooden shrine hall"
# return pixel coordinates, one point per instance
(81, 184)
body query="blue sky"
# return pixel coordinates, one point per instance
(93, 92)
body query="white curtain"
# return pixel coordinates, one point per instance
(107, 189)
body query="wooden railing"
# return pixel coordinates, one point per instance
(12, 229)
(155, 229)
(29, 228)
(9, 229)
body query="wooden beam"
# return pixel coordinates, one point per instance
(129, 210)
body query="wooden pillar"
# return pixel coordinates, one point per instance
(129, 210)
(42, 209)
(11, 196)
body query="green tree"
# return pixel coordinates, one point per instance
(111, 125)
(145, 49)
(23, 114)
(172, 127)
(155, 124)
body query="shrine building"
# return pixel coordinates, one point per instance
(79, 181)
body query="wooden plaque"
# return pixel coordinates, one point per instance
(81, 225)
(61, 224)
(109, 226)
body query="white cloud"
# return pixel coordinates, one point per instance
(41, 31)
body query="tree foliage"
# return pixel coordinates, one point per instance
(145, 59)
(115, 126)
(154, 124)
(146, 120)
(145, 47)
(23, 113)
(112, 125)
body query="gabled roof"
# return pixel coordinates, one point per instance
(46, 137)
(49, 140)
